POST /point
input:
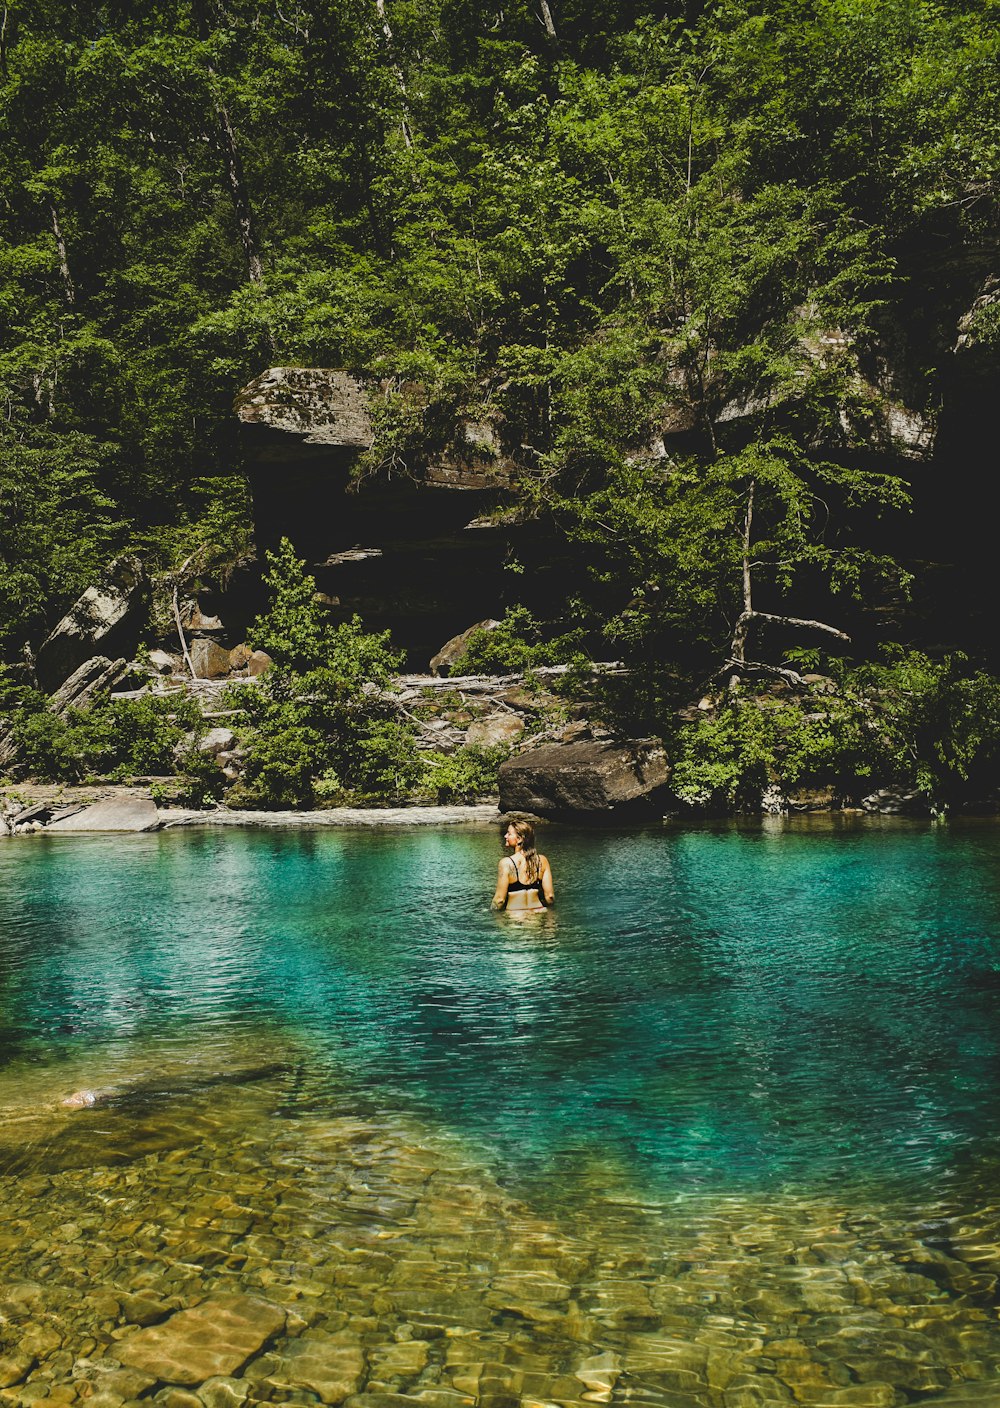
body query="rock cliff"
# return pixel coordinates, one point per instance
(412, 547)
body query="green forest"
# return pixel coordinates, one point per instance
(724, 272)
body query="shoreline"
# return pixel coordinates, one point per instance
(60, 809)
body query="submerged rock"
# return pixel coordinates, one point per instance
(329, 1366)
(215, 1338)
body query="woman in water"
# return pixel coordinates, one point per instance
(524, 879)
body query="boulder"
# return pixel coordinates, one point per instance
(106, 614)
(9, 749)
(494, 730)
(194, 619)
(323, 405)
(164, 663)
(113, 814)
(589, 777)
(453, 649)
(209, 659)
(239, 656)
(42, 813)
(215, 741)
(895, 801)
(259, 662)
(90, 678)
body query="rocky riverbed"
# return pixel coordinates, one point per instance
(202, 1238)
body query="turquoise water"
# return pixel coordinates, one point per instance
(787, 1005)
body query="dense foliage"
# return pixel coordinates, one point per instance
(120, 739)
(928, 731)
(752, 225)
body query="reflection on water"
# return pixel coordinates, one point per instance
(718, 1131)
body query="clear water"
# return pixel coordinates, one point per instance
(736, 1093)
(727, 1007)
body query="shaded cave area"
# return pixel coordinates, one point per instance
(427, 554)
(422, 554)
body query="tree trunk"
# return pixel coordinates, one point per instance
(4, 26)
(548, 22)
(404, 121)
(237, 188)
(67, 278)
(738, 644)
(242, 205)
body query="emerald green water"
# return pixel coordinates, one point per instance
(720, 1131)
(740, 1007)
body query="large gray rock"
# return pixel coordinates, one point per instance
(9, 748)
(585, 778)
(107, 614)
(322, 405)
(210, 660)
(215, 741)
(113, 814)
(98, 673)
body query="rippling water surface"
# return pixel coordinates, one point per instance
(753, 1068)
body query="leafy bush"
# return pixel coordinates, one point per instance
(466, 776)
(320, 736)
(515, 644)
(318, 727)
(726, 759)
(910, 722)
(933, 726)
(296, 629)
(116, 738)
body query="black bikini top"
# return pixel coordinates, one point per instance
(518, 884)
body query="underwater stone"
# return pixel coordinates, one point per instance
(14, 1367)
(223, 1392)
(214, 1338)
(331, 1368)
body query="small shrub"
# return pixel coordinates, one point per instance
(465, 776)
(515, 645)
(295, 630)
(115, 738)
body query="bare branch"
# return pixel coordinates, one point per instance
(800, 624)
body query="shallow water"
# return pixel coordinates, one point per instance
(720, 1130)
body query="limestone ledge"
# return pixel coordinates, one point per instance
(482, 813)
(28, 809)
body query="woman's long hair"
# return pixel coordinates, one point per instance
(525, 833)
